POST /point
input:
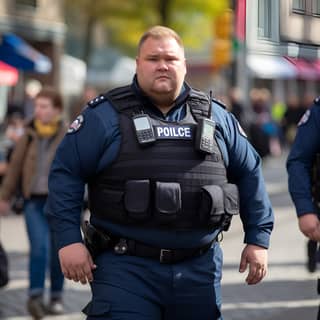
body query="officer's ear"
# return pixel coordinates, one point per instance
(185, 66)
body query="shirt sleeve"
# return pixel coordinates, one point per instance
(300, 160)
(244, 169)
(80, 155)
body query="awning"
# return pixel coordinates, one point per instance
(270, 67)
(316, 64)
(18, 53)
(8, 75)
(307, 70)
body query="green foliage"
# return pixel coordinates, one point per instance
(126, 20)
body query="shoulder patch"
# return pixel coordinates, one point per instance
(97, 100)
(304, 119)
(76, 124)
(317, 101)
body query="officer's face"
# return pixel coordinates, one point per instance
(44, 110)
(161, 68)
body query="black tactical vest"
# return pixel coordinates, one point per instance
(167, 184)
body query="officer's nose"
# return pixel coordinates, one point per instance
(162, 65)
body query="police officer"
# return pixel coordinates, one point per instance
(300, 166)
(166, 168)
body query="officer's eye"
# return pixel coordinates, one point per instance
(152, 58)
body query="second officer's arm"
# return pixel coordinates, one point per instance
(299, 165)
(87, 148)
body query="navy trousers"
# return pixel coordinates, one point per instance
(134, 288)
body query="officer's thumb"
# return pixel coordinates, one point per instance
(92, 264)
(243, 265)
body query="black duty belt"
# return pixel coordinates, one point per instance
(169, 256)
(98, 241)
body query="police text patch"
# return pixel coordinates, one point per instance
(174, 132)
(76, 124)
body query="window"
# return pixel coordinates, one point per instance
(264, 19)
(299, 6)
(26, 3)
(316, 7)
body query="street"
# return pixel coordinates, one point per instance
(288, 291)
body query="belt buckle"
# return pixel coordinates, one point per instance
(165, 255)
(121, 247)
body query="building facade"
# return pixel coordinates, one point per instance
(41, 24)
(281, 50)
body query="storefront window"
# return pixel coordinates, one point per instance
(316, 7)
(264, 19)
(299, 6)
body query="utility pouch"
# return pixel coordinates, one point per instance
(231, 203)
(137, 198)
(211, 210)
(167, 201)
(95, 240)
(114, 199)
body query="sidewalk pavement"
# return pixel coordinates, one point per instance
(288, 292)
(13, 297)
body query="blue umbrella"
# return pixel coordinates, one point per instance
(19, 54)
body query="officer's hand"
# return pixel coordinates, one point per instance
(309, 225)
(257, 258)
(4, 207)
(76, 263)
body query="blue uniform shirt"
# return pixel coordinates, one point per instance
(95, 145)
(300, 160)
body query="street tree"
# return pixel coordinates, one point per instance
(126, 20)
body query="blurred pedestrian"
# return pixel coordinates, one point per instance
(30, 160)
(4, 267)
(263, 131)
(235, 96)
(14, 131)
(292, 116)
(32, 88)
(278, 110)
(76, 108)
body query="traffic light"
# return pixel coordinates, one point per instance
(222, 45)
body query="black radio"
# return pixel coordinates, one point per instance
(205, 135)
(144, 129)
(204, 140)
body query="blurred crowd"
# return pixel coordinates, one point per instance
(269, 122)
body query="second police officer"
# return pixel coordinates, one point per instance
(304, 174)
(303, 166)
(167, 167)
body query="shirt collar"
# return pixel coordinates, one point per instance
(179, 102)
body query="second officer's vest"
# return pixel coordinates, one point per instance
(168, 184)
